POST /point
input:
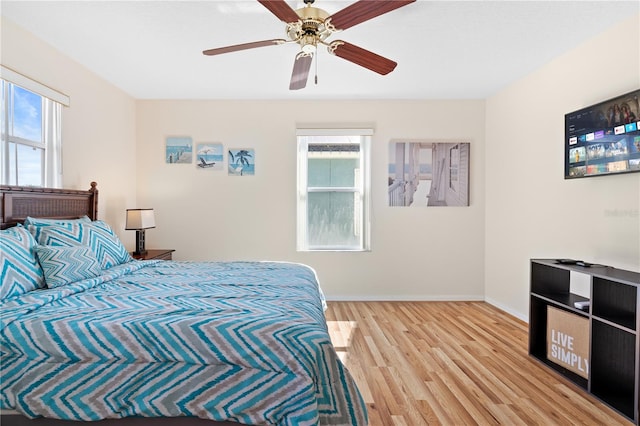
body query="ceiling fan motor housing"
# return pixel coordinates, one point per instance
(310, 29)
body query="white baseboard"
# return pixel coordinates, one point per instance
(439, 298)
(508, 310)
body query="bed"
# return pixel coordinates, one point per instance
(103, 336)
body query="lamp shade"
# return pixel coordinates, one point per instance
(140, 219)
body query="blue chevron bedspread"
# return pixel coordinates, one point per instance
(239, 341)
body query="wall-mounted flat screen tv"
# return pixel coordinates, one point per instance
(603, 139)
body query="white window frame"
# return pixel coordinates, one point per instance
(50, 142)
(361, 190)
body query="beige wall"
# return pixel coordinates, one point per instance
(98, 128)
(110, 138)
(429, 253)
(532, 212)
(417, 253)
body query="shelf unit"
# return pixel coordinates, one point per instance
(614, 327)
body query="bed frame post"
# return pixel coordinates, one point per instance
(93, 208)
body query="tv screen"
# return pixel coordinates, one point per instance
(603, 139)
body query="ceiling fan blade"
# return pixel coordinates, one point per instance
(362, 57)
(281, 9)
(244, 46)
(364, 10)
(300, 73)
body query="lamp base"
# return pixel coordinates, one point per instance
(140, 250)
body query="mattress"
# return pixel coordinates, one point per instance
(239, 341)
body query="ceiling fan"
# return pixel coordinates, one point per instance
(310, 26)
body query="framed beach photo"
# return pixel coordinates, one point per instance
(242, 162)
(209, 156)
(179, 150)
(428, 174)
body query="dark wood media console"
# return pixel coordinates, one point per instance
(614, 327)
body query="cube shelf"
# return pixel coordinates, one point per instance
(613, 365)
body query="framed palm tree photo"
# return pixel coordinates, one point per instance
(242, 162)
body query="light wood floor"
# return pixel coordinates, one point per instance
(453, 363)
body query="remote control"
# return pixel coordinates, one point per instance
(584, 305)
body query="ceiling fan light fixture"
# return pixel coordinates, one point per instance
(309, 43)
(309, 49)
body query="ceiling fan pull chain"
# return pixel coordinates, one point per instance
(316, 76)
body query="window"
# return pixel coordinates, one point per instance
(30, 147)
(333, 189)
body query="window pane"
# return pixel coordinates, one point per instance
(12, 164)
(27, 114)
(333, 184)
(333, 165)
(4, 112)
(23, 147)
(332, 218)
(29, 165)
(333, 173)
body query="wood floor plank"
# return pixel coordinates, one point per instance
(453, 363)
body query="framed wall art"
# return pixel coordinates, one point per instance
(209, 156)
(179, 150)
(426, 174)
(242, 162)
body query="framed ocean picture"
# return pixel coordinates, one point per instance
(179, 150)
(209, 156)
(242, 162)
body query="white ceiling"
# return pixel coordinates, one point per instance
(444, 49)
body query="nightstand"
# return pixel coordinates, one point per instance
(160, 254)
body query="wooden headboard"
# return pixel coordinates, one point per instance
(18, 202)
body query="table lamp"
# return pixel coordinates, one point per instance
(140, 219)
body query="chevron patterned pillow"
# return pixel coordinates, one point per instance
(66, 265)
(112, 245)
(106, 246)
(20, 270)
(36, 224)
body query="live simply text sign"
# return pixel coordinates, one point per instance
(568, 340)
